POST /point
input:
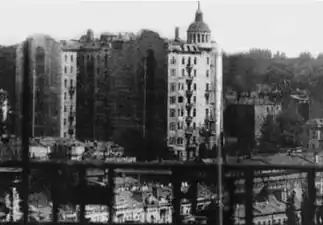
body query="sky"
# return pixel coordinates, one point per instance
(290, 26)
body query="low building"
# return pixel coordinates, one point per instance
(314, 130)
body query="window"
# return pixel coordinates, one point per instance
(64, 121)
(207, 112)
(72, 58)
(71, 83)
(207, 60)
(183, 72)
(195, 72)
(65, 58)
(182, 86)
(183, 60)
(207, 86)
(172, 112)
(173, 72)
(65, 83)
(179, 86)
(194, 99)
(98, 70)
(189, 60)
(172, 100)
(172, 140)
(71, 69)
(195, 60)
(194, 86)
(180, 125)
(173, 60)
(65, 96)
(172, 126)
(180, 99)
(180, 141)
(172, 87)
(194, 125)
(65, 110)
(207, 101)
(194, 112)
(207, 73)
(182, 112)
(65, 69)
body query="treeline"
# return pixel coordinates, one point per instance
(265, 72)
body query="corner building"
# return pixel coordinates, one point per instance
(191, 83)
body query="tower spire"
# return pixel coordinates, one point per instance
(198, 14)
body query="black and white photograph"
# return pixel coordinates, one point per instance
(161, 112)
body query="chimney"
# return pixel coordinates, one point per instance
(176, 33)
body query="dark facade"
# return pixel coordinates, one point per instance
(46, 84)
(239, 122)
(138, 93)
(92, 103)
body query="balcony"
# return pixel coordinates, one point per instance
(189, 106)
(71, 91)
(71, 118)
(189, 93)
(207, 93)
(189, 80)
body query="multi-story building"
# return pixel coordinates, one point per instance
(47, 65)
(191, 70)
(68, 91)
(93, 86)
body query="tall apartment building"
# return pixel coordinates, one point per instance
(191, 83)
(92, 85)
(49, 67)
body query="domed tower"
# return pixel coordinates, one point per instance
(90, 35)
(199, 32)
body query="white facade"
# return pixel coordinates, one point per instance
(68, 93)
(198, 52)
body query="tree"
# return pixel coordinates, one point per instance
(290, 125)
(270, 133)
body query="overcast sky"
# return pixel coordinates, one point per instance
(290, 26)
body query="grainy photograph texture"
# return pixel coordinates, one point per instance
(161, 112)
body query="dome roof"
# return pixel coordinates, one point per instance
(198, 25)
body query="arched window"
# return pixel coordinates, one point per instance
(198, 38)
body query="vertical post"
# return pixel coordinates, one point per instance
(218, 127)
(311, 195)
(111, 186)
(248, 176)
(26, 128)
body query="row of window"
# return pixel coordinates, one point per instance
(180, 112)
(179, 140)
(172, 100)
(173, 72)
(181, 87)
(65, 69)
(71, 83)
(173, 60)
(71, 58)
(179, 125)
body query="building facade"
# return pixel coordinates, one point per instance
(68, 96)
(191, 83)
(47, 86)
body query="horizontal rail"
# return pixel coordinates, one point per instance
(160, 166)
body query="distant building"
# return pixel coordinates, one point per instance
(314, 130)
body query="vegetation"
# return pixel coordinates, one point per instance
(284, 131)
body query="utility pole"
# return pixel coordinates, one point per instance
(218, 128)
